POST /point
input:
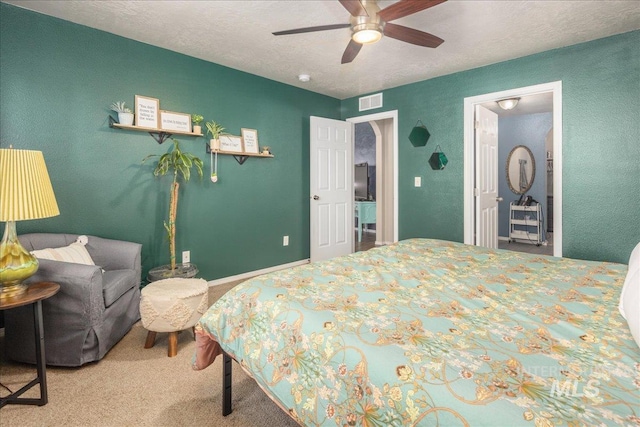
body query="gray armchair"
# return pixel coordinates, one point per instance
(95, 307)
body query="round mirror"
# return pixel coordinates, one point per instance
(520, 169)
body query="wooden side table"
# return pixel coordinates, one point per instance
(36, 292)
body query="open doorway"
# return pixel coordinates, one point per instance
(375, 180)
(536, 125)
(364, 186)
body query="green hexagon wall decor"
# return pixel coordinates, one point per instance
(419, 135)
(438, 160)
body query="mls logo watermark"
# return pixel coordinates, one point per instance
(575, 388)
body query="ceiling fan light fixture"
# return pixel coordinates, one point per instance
(509, 103)
(366, 33)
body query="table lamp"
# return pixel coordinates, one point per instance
(25, 193)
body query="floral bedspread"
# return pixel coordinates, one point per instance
(428, 332)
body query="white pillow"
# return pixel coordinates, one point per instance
(634, 265)
(75, 252)
(630, 296)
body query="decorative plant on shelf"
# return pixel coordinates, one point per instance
(197, 119)
(125, 115)
(179, 164)
(215, 130)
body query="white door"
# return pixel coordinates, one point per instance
(331, 203)
(486, 178)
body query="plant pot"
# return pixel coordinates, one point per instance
(197, 129)
(214, 144)
(125, 119)
(185, 271)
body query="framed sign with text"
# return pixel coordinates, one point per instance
(250, 140)
(147, 112)
(231, 143)
(170, 120)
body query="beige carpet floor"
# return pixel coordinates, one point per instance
(133, 386)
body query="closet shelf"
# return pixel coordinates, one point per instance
(525, 223)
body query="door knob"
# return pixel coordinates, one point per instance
(316, 197)
(499, 199)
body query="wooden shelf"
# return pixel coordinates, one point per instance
(160, 135)
(240, 157)
(233, 153)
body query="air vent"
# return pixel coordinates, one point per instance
(370, 102)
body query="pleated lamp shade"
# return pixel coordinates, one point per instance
(25, 187)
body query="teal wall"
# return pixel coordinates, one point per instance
(601, 143)
(57, 81)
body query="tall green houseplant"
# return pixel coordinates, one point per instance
(179, 164)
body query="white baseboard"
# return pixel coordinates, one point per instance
(504, 239)
(249, 274)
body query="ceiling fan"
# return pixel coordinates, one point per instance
(368, 24)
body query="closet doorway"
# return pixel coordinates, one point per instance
(531, 129)
(525, 170)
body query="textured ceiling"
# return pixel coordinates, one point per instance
(237, 34)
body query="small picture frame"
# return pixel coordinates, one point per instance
(147, 112)
(170, 120)
(231, 143)
(250, 140)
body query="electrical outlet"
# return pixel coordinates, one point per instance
(417, 181)
(285, 241)
(186, 257)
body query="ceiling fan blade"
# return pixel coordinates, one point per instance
(351, 52)
(311, 29)
(354, 7)
(405, 8)
(412, 36)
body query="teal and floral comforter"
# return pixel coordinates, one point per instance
(428, 332)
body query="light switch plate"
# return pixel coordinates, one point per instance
(418, 181)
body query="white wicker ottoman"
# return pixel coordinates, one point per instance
(172, 305)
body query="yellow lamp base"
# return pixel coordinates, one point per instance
(16, 264)
(12, 291)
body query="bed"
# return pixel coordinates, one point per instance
(430, 332)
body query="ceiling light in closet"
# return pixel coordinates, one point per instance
(509, 103)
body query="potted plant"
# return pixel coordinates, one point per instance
(179, 164)
(215, 130)
(125, 115)
(197, 119)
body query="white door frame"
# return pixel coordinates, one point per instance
(393, 114)
(469, 157)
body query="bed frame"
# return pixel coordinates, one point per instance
(226, 384)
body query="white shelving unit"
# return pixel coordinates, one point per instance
(525, 223)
